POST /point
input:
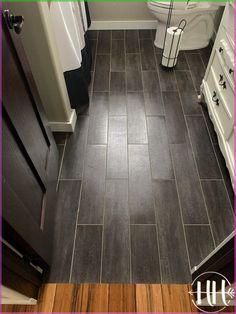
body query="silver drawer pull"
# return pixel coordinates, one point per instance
(216, 100)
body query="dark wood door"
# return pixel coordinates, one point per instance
(30, 159)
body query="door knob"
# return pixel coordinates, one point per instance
(14, 21)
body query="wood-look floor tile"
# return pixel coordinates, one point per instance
(134, 81)
(73, 160)
(188, 184)
(170, 234)
(202, 147)
(167, 77)
(131, 41)
(133, 62)
(137, 128)
(225, 173)
(147, 55)
(104, 42)
(118, 34)
(141, 202)
(93, 187)
(175, 122)
(210, 125)
(87, 255)
(145, 34)
(159, 150)
(64, 230)
(102, 73)
(117, 82)
(150, 81)
(149, 298)
(63, 300)
(98, 120)
(144, 254)
(197, 68)
(117, 104)
(176, 298)
(187, 93)
(153, 103)
(219, 209)
(93, 34)
(200, 243)
(117, 160)
(122, 298)
(118, 55)
(116, 247)
(181, 62)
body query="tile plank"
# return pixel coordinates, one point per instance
(93, 187)
(73, 160)
(202, 147)
(197, 69)
(131, 41)
(200, 243)
(104, 42)
(137, 128)
(167, 76)
(117, 160)
(98, 120)
(64, 230)
(116, 248)
(141, 202)
(219, 209)
(87, 255)
(118, 55)
(144, 254)
(188, 184)
(102, 73)
(147, 55)
(160, 157)
(175, 123)
(170, 234)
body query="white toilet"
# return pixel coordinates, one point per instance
(199, 17)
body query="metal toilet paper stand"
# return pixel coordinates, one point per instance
(180, 27)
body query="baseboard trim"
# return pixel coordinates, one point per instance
(64, 126)
(137, 24)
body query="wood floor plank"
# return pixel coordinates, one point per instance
(149, 298)
(46, 298)
(121, 298)
(63, 300)
(176, 298)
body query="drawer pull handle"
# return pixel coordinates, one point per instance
(221, 78)
(231, 71)
(223, 85)
(216, 100)
(221, 49)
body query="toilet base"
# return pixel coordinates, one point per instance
(197, 33)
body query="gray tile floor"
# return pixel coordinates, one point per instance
(143, 191)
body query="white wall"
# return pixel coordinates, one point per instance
(40, 47)
(119, 11)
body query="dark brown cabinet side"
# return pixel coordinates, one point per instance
(30, 164)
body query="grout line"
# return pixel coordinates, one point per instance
(196, 225)
(195, 162)
(78, 224)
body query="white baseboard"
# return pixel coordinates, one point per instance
(138, 24)
(64, 126)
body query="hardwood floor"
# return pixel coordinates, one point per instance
(109, 298)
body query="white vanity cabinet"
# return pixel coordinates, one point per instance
(218, 87)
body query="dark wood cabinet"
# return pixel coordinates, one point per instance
(30, 165)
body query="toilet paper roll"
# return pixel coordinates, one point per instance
(171, 50)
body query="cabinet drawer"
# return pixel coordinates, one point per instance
(223, 120)
(223, 84)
